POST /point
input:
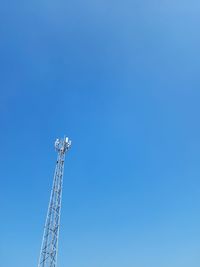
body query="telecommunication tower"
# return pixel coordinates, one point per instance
(49, 248)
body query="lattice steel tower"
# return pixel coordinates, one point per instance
(49, 248)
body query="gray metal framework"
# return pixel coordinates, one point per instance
(49, 248)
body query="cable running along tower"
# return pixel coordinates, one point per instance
(49, 248)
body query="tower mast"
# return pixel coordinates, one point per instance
(49, 248)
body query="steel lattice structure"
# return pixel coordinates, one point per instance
(49, 248)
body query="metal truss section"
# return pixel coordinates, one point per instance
(49, 248)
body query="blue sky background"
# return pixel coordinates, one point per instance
(121, 78)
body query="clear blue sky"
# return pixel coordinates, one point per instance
(121, 78)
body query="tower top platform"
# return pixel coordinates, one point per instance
(62, 144)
